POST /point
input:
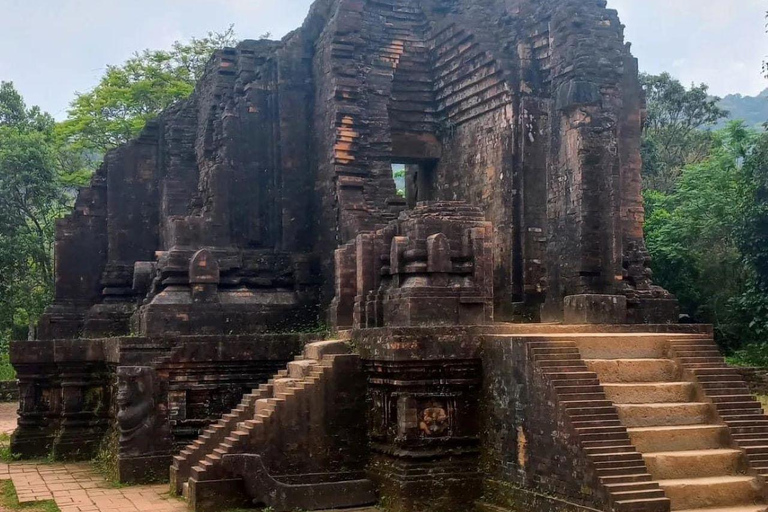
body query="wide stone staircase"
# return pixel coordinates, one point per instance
(703, 438)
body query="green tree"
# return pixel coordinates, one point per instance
(32, 197)
(129, 95)
(673, 135)
(696, 234)
(753, 241)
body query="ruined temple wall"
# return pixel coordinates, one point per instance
(178, 158)
(298, 206)
(477, 167)
(84, 231)
(133, 177)
(529, 459)
(477, 84)
(584, 182)
(327, 129)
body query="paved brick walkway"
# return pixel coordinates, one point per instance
(77, 487)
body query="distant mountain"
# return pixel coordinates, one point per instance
(753, 110)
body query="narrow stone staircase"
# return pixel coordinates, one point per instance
(685, 443)
(271, 411)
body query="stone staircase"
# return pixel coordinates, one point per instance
(728, 391)
(703, 438)
(604, 440)
(263, 415)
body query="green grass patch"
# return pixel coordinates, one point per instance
(6, 370)
(9, 500)
(5, 449)
(763, 399)
(751, 355)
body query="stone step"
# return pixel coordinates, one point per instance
(551, 344)
(632, 486)
(567, 398)
(645, 505)
(701, 357)
(609, 423)
(690, 365)
(758, 450)
(719, 491)
(760, 429)
(746, 404)
(694, 463)
(726, 391)
(720, 373)
(576, 389)
(702, 342)
(545, 351)
(673, 438)
(301, 369)
(284, 385)
(553, 364)
(610, 448)
(560, 377)
(702, 352)
(668, 414)
(748, 442)
(621, 347)
(644, 494)
(611, 371)
(560, 372)
(644, 393)
(565, 355)
(624, 475)
(720, 380)
(738, 423)
(581, 420)
(615, 457)
(320, 349)
(593, 440)
(744, 508)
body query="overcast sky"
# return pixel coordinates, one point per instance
(52, 48)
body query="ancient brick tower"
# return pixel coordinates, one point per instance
(265, 204)
(530, 110)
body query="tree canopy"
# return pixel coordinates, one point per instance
(32, 196)
(706, 196)
(675, 132)
(42, 163)
(129, 95)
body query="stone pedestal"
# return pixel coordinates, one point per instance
(431, 267)
(595, 309)
(423, 390)
(654, 311)
(65, 398)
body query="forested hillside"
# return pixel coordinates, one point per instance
(753, 110)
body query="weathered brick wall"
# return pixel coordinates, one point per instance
(529, 109)
(525, 436)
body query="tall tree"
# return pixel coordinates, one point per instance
(673, 135)
(753, 239)
(129, 95)
(31, 198)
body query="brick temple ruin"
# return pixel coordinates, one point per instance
(496, 342)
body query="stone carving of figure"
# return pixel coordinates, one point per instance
(136, 415)
(434, 420)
